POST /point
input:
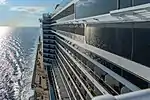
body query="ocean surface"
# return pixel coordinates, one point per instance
(17, 56)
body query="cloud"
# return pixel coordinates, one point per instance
(28, 9)
(3, 2)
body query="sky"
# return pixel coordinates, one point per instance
(24, 12)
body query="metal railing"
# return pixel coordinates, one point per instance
(138, 95)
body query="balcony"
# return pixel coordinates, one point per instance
(120, 79)
(114, 90)
(47, 32)
(67, 82)
(48, 21)
(49, 46)
(46, 25)
(75, 76)
(49, 56)
(98, 78)
(47, 28)
(47, 60)
(49, 42)
(71, 78)
(61, 86)
(49, 37)
(49, 51)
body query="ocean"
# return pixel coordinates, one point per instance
(17, 56)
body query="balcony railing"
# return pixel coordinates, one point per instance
(48, 37)
(75, 75)
(112, 90)
(102, 82)
(48, 32)
(62, 90)
(49, 56)
(47, 28)
(47, 61)
(49, 51)
(49, 46)
(67, 82)
(138, 95)
(49, 42)
(120, 79)
(76, 89)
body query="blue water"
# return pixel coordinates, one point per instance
(17, 56)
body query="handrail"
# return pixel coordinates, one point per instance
(137, 95)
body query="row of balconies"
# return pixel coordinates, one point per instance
(48, 45)
(61, 86)
(115, 88)
(78, 91)
(99, 79)
(84, 89)
(86, 80)
(51, 81)
(67, 82)
(90, 70)
(113, 67)
(92, 88)
(136, 81)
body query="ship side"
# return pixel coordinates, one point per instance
(96, 49)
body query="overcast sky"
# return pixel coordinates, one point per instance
(24, 12)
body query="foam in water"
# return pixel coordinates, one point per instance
(16, 65)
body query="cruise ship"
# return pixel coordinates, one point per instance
(97, 50)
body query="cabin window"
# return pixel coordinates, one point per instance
(68, 11)
(89, 7)
(125, 3)
(139, 2)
